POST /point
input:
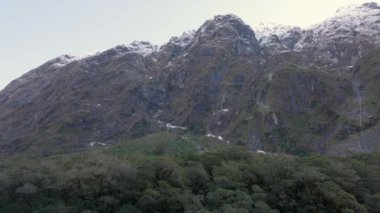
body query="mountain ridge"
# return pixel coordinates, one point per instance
(264, 30)
(275, 94)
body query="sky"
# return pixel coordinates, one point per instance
(33, 32)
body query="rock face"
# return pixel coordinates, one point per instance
(279, 88)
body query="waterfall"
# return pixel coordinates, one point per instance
(356, 87)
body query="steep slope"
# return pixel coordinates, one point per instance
(288, 90)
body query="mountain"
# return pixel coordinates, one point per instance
(277, 88)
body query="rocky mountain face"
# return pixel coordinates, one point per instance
(275, 88)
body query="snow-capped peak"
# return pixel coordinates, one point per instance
(277, 37)
(357, 19)
(266, 29)
(227, 18)
(220, 22)
(360, 11)
(63, 60)
(143, 48)
(372, 5)
(183, 40)
(357, 7)
(350, 23)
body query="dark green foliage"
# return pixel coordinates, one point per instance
(228, 180)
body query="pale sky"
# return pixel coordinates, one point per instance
(35, 31)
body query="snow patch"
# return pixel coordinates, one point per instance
(267, 29)
(209, 135)
(92, 53)
(63, 60)
(143, 48)
(221, 111)
(170, 126)
(224, 110)
(219, 137)
(170, 64)
(261, 152)
(93, 143)
(184, 40)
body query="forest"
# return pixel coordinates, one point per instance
(225, 180)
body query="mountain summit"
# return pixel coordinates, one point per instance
(281, 89)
